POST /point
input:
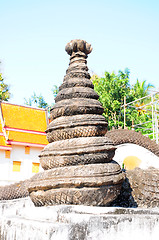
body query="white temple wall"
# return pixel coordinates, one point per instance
(128, 150)
(7, 175)
(21, 220)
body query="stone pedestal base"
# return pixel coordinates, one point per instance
(20, 219)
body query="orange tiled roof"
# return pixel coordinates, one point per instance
(2, 139)
(0, 127)
(23, 125)
(27, 137)
(22, 117)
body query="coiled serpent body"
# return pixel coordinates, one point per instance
(140, 185)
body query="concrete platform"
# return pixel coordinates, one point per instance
(21, 220)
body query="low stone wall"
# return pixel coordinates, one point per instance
(21, 220)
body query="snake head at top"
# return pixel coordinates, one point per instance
(78, 45)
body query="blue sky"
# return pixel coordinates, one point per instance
(123, 34)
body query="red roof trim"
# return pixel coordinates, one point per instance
(24, 130)
(5, 148)
(25, 106)
(26, 144)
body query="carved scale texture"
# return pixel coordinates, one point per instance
(95, 184)
(77, 161)
(121, 136)
(139, 189)
(67, 127)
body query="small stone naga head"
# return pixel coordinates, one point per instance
(78, 45)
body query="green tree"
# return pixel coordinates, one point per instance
(55, 90)
(140, 89)
(141, 115)
(37, 101)
(4, 90)
(112, 88)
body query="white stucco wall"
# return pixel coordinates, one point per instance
(7, 175)
(21, 220)
(148, 159)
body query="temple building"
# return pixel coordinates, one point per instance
(22, 137)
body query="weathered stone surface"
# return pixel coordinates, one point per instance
(78, 176)
(49, 162)
(76, 106)
(121, 136)
(94, 196)
(77, 161)
(75, 132)
(139, 189)
(21, 220)
(95, 184)
(76, 95)
(75, 151)
(76, 120)
(75, 141)
(78, 45)
(13, 191)
(145, 186)
(78, 145)
(85, 125)
(77, 74)
(76, 92)
(76, 82)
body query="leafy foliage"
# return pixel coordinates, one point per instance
(55, 90)
(4, 90)
(112, 88)
(37, 101)
(140, 89)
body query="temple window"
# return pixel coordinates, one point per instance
(16, 166)
(7, 153)
(27, 150)
(35, 167)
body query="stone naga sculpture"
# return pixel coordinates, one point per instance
(121, 136)
(141, 186)
(78, 159)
